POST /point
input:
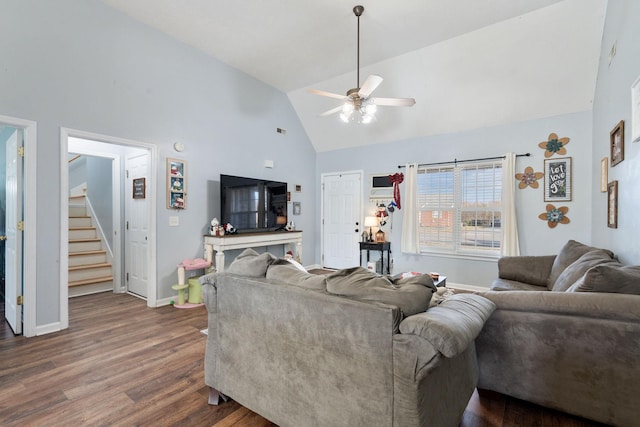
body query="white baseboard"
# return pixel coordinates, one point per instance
(166, 301)
(48, 328)
(466, 287)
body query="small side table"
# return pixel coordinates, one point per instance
(381, 247)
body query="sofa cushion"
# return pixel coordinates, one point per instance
(251, 264)
(411, 295)
(290, 275)
(513, 285)
(576, 269)
(611, 277)
(453, 325)
(569, 253)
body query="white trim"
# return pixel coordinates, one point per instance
(29, 191)
(47, 329)
(65, 134)
(165, 301)
(467, 287)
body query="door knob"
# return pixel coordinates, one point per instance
(357, 230)
(2, 238)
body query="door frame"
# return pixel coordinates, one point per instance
(29, 197)
(322, 219)
(65, 134)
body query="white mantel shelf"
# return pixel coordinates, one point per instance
(250, 240)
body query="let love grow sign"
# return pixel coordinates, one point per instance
(557, 180)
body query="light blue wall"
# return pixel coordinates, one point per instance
(536, 238)
(81, 65)
(100, 193)
(612, 103)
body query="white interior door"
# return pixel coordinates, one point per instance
(137, 227)
(13, 244)
(342, 213)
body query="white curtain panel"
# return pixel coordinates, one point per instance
(510, 245)
(409, 242)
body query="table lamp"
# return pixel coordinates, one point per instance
(370, 221)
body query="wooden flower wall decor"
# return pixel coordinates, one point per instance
(554, 145)
(555, 216)
(528, 178)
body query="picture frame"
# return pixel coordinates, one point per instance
(616, 138)
(557, 179)
(176, 184)
(604, 174)
(635, 110)
(139, 190)
(298, 188)
(297, 208)
(612, 204)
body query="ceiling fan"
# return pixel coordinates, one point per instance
(358, 106)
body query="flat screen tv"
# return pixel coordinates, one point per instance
(251, 204)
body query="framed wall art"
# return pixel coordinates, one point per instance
(604, 174)
(176, 184)
(557, 180)
(617, 143)
(139, 188)
(612, 204)
(635, 110)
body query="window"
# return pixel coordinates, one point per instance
(459, 208)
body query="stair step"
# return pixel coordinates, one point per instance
(83, 245)
(87, 272)
(87, 258)
(80, 221)
(90, 281)
(77, 210)
(76, 233)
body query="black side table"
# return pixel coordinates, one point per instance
(378, 246)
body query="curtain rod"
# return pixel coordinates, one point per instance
(456, 161)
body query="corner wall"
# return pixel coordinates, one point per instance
(612, 103)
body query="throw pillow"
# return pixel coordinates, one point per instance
(612, 277)
(569, 253)
(580, 266)
(411, 296)
(290, 275)
(251, 264)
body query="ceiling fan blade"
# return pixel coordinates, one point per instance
(331, 111)
(329, 94)
(394, 102)
(369, 85)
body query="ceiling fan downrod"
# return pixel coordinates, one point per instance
(357, 10)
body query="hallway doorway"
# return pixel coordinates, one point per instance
(115, 151)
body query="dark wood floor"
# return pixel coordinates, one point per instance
(121, 363)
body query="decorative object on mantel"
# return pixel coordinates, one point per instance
(529, 178)
(612, 204)
(635, 110)
(396, 179)
(216, 229)
(616, 138)
(555, 216)
(557, 180)
(357, 105)
(554, 145)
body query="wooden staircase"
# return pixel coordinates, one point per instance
(89, 269)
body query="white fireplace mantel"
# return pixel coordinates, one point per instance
(250, 240)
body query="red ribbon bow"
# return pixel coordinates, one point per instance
(396, 179)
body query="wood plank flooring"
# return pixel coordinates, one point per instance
(123, 364)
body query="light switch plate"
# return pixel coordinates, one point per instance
(174, 221)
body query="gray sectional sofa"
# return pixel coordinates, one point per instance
(566, 334)
(347, 349)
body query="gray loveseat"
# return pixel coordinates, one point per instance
(566, 334)
(347, 349)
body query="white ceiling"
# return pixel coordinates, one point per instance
(468, 63)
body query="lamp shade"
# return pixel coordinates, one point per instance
(370, 221)
(281, 220)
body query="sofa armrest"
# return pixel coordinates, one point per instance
(451, 326)
(621, 307)
(533, 270)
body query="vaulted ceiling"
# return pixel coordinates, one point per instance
(468, 63)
